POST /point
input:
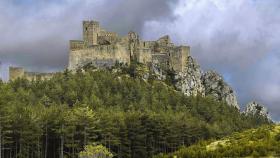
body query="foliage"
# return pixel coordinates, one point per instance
(130, 116)
(260, 142)
(95, 151)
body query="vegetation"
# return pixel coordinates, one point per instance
(261, 142)
(115, 108)
(95, 151)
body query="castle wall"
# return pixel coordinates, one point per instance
(108, 36)
(15, 72)
(144, 56)
(148, 44)
(106, 54)
(19, 72)
(76, 45)
(178, 58)
(35, 76)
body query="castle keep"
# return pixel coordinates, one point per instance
(104, 49)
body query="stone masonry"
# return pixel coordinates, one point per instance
(19, 72)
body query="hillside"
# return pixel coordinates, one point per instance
(132, 116)
(260, 142)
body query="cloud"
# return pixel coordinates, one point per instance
(238, 38)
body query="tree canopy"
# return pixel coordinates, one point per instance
(130, 116)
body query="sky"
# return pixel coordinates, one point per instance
(238, 39)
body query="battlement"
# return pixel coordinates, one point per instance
(91, 22)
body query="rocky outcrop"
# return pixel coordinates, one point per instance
(193, 82)
(256, 109)
(189, 81)
(216, 86)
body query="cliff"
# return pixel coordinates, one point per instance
(193, 81)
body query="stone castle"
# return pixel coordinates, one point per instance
(104, 49)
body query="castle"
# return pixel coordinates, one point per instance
(104, 49)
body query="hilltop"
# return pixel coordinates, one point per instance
(131, 115)
(104, 49)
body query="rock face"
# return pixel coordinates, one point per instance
(216, 86)
(256, 109)
(190, 80)
(193, 82)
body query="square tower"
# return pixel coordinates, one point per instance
(90, 32)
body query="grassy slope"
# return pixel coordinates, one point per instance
(260, 142)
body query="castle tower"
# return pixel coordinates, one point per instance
(179, 58)
(15, 72)
(90, 32)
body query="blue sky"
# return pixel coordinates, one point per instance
(240, 38)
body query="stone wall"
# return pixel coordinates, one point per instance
(36, 75)
(19, 72)
(76, 44)
(15, 72)
(144, 56)
(110, 53)
(178, 58)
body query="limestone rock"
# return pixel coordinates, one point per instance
(256, 109)
(216, 86)
(190, 79)
(159, 73)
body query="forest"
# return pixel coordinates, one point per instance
(116, 108)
